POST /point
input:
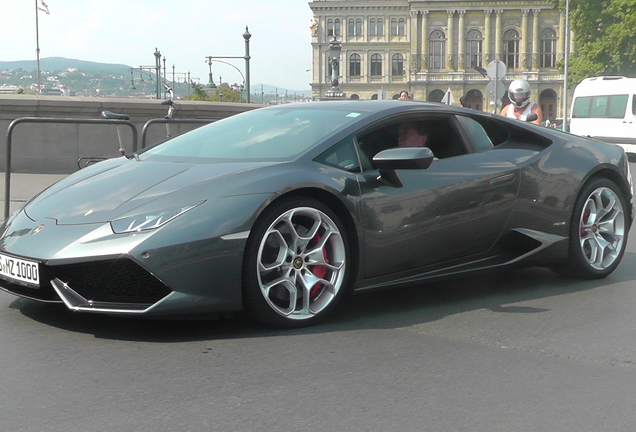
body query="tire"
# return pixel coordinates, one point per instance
(598, 231)
(296, 264)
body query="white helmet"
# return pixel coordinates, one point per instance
(519, 93)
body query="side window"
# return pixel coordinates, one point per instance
(435, 132)
(480, 139)
(613, 106)
(581, 107)
(599, 106)
(342, 155)
(617, 106)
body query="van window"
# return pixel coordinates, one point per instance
(581, 107)
(600, 106)
(617, 106)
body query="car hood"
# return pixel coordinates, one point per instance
(102, 193)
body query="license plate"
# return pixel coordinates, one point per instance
(19, 270)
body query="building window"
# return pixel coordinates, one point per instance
(398, 27)
(376, 27)
(333, 27)
(473, 49)
(354, 65)
(436, 95)
(355, 27)
(548, 48)
(436, 50)
(511, 48)
(397, 64)
(376, 65)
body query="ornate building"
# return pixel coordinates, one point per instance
(430, 46)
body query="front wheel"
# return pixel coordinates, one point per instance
(296, 264)
(598, 231)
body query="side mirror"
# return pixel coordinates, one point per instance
(387, 161)
(404, 158)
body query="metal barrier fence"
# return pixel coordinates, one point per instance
(144, 130)
(14, 123)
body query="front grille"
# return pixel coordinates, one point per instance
(116, 281)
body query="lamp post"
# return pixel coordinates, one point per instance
(246, 57)
(334, 58)
(565, 126)
(163, 81)
(247, 37)
(158, 71)
(142, 70)
(210, 84)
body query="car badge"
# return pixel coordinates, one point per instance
(37, 229)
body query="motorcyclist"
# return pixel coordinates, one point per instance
(521, 106)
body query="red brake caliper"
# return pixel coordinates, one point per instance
(318, 270)
(586, 217)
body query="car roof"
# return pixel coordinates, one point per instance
(375, 106)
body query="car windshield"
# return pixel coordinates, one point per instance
(261, 134)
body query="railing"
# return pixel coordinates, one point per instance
(135, 139)
(144, 130)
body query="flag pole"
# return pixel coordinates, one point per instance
(37, 42)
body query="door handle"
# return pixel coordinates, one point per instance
(502, 180)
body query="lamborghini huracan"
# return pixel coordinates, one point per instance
(281, 211)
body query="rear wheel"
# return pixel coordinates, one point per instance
(296, 264)
(598, 231)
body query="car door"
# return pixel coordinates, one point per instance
(455, 208)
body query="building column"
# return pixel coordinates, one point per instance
(461, 45)
(498, 33)
(424, 36)
(535, 39)
(415, 45)
(487, 38)
(450, 52)
(524, 39)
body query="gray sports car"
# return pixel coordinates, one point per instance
(282, 211)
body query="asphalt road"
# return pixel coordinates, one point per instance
(521, 351)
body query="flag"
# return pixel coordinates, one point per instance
(481, 70)
(43, 7)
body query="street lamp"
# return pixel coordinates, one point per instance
(246, 57)
(142, 70)
(565, 126)
(210, 84)
(247, 37)
(158, 71)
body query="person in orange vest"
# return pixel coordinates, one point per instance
(521, 106)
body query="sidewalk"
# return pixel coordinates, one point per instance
(25, 186)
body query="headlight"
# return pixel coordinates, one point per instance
(150, 220)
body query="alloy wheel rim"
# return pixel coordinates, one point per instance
(301, 263)
(602, 228)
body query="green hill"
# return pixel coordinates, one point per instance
(61, 64)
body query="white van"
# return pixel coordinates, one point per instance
(604, 108)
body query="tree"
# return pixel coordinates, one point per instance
(603, 32)
(198, 94)
(225, 93)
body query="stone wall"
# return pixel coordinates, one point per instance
(53, 148)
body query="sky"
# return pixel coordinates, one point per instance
(185, 32)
